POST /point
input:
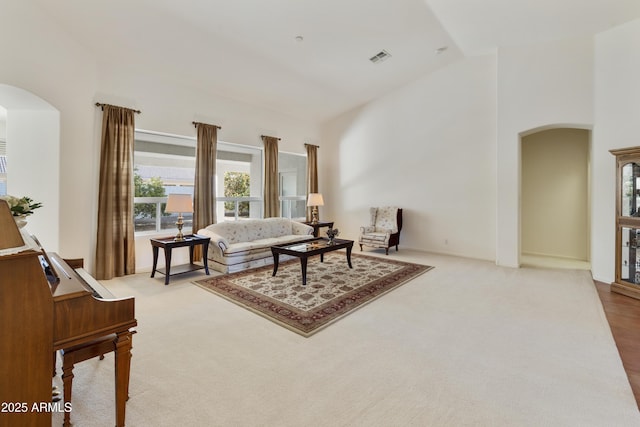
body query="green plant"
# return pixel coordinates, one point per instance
(236, 184)
(152, 187)
(21, 206)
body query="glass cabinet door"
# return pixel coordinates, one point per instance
(630, 189)
(630, 259)
(627, 219)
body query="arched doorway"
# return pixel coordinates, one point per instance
(554, 205)
(33, 158)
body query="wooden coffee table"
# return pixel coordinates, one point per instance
(309, 248)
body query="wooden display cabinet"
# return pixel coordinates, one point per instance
(627, 277)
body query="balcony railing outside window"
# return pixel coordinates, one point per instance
(158, 220)
(155, 219)
(243, 207)
(293, 207)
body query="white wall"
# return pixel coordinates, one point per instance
(617, 113)
(38, 177)
(428, 147)
(169, 104)
(39, 57)
(539, 86)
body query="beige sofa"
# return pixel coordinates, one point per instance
(239, 245)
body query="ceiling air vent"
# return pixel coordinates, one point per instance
(380, 56)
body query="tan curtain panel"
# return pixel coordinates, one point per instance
(271, 190)
(115, 245)
(204, 193)
(312, 172)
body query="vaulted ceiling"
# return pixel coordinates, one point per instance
(311, 59)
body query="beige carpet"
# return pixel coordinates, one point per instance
(333, 290)
(468, 344)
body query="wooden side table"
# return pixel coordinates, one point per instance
(168, 243)
(320, 224)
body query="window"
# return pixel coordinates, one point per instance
(239, 182)
(165, 164)
(292, 173)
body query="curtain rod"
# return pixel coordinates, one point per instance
(101, 105)
(200, 123)
(311, 145)
(267, 136)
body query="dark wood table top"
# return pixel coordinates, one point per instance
(188, 240)
(312, 247)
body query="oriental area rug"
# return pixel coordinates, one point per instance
(333, 290)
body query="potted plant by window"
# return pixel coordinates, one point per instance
(21, 208)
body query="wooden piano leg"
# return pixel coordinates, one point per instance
(123, 345)
(67, 381)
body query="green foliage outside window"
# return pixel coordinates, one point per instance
(236, 184)
(152, 187)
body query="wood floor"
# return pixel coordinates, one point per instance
(623, 314)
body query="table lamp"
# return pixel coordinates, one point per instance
(179, 203)
(314, 200)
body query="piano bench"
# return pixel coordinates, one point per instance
(80, 353)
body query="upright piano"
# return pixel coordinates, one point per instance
(46, 305)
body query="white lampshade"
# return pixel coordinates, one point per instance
(315, 199)
(179, 203)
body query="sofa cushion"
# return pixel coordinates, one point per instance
(282, 240)
(242, 247)
(260, 245)
(380, 237)
(375, 238)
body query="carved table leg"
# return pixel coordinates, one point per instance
(67, 381)
(167, 264)
(123, 346)
(155, 260)
(303, 265)
(276, 260)
(205, 252)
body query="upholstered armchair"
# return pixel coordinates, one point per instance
(384, 228)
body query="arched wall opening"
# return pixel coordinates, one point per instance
(33, 159)
(555, 197)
